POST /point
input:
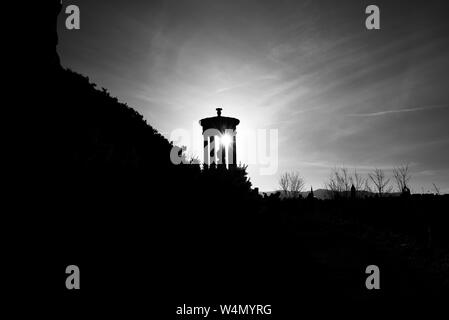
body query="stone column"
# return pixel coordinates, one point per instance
(212, 150)
(205, 150)
(234, 150)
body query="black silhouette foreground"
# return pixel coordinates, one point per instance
(145, 232)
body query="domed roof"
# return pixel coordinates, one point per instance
(219, 122)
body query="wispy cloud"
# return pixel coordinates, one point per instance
(386, 112)
(337, 93)
(246, 83)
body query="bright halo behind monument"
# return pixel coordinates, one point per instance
(226, 140)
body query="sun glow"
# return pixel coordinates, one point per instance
(226, 140)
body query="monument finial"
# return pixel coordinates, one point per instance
(219, 111)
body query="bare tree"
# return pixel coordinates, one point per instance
(296, 183)
(291, 183)
(402, 177)
(367, 186)
(436, 189)
(340, 181)
(380, 181)
(345, 179)
(358, 181)
(284, 182)
(335, 182)
(332, 183)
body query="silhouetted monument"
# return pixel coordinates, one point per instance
(353, 192)
(221, 129)
(310, 196)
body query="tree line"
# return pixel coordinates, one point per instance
(344, 182)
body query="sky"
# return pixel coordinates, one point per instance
(336, 93)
